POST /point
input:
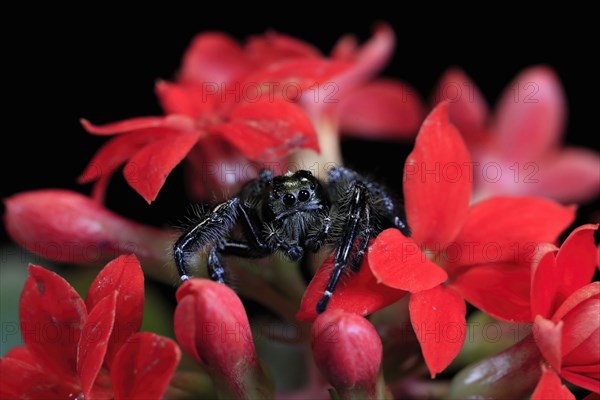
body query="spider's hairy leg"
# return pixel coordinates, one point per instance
(216, 272)
(317, 239)
(350, 232)
(213, 228)
(392, 209)
(275, 242)
(365, 236)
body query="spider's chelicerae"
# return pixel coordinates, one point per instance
(293, 213)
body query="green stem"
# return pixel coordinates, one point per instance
(259, 290)
(288, 279)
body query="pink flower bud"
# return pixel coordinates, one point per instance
(347, 350)
(69, 227)
(211, 325)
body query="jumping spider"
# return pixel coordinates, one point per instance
(293, 213)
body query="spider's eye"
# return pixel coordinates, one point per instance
(303, 195)
(289, 199)
(312, 186)
(276, 194)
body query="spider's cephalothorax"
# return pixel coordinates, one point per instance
(294, 213)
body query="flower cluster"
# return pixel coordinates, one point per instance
(397, 327)
(92, 349)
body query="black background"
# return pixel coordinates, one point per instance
(102, 64)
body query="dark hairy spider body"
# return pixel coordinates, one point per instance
(295, 213)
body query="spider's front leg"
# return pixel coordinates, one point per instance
(352, 229)
(275, 241)
(317, 239)
(213, 229)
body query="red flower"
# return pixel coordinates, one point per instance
(479, 252)
(351, 101)
(348, 351)
(87, 349)
(264, 130)
(566, 307)
(215, 119)
(216, 128)
(232, 104)
(380, 108)
(518, 149)
(211, 325)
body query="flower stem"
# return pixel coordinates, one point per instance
(330, 151)
(262, 292)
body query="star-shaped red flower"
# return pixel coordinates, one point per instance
(151, 147)
(518, 147)
(234, 105)
(89, 348)
(480, 253)
(566, 310)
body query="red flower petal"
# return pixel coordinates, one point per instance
(397, 262)
(147, 171)
(20, 380)
(52, 317)
(569, 175)
(592, 370)
(268, 129)
(508, 229)
(94, 341)
(438, 319)
(468, 108)
(273, 47)
(583, 381)
(576, 261)
(377, 51)
(530, 115)
(590, 291)
(123, 276)
(209, 169)
(345, 48)
(550, 387)
(129, 125)
(581, 329)
(357, 293)
(68, 227)
(114, 154)
(587, 351)
(500, 289)
(102, 388)
(143, 367)
(548, 337)
(298, 79)
(22, 354)
(544, 286)
(437, 181)
(212, 57)
(381, 109)
(191, 100)
(368, 59)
